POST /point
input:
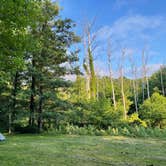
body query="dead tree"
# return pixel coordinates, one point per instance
(109, 56)
(122, 83)
(87, 72)
(145, 80)
(89, 47)
(161, 80)
(134, 83)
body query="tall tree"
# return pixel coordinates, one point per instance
(54, 37)
(109, 54)
(15, 19)
(89, 46)
(134, 83)
(122, 83)
(161, 79)
(145, 79)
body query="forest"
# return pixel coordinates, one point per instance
(38, 52)
(58, 106)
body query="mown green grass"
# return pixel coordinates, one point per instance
(38, 150)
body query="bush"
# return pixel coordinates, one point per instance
(102, 113)
(136, 121)
(153, 111)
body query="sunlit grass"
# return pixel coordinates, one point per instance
(38, 150)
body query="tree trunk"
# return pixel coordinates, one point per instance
(32, 100)
(92, 76)
(161, 79)
(143, 90)
(40, 109)
(123, 98)
(144, 71)
(135, 96)
(89, 62)
(112, 86)
(147, 84)
(110, 70)
(88, 86)
(122, 85)
(13, 103)
(97, 88)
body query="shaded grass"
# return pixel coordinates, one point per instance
(47, 150)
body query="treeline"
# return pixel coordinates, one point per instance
(146, 110)
(37, 52)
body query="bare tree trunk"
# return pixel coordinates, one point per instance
(97, 88)
(110, 71)
(104, 87)
(113, 91)
(143, 76)
(135, 96)
(88, 86)
(147, 84)
(89, 62)
(123, 97)
(162, 83)
(143, 90)
(122, 84)
(144, 70)
(86, 68)
(133, 69)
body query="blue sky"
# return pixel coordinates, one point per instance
(132, 24)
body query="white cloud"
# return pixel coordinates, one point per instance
(151, 68)
(133, 28)
(132, 33)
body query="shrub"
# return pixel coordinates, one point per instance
(131, 131)
(136, 121)
(153, 111)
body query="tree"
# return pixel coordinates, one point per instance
(145, 79)
(161, 80)
(88, 65)
(15, 19)
(153, 110)
(54, 37)
(109, 54)
(122, 83)
(134, 85)
(158, 80)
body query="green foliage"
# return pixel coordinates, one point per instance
(102, 113)
(99, 113)
(135, 120)
(36, 53)
(16, 17)
(155, 81)
(92, 75)
(153, 110)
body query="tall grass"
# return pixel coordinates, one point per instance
(131, 131)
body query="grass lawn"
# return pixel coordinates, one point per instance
(36, 150)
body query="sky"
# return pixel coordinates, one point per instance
(131, 24)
